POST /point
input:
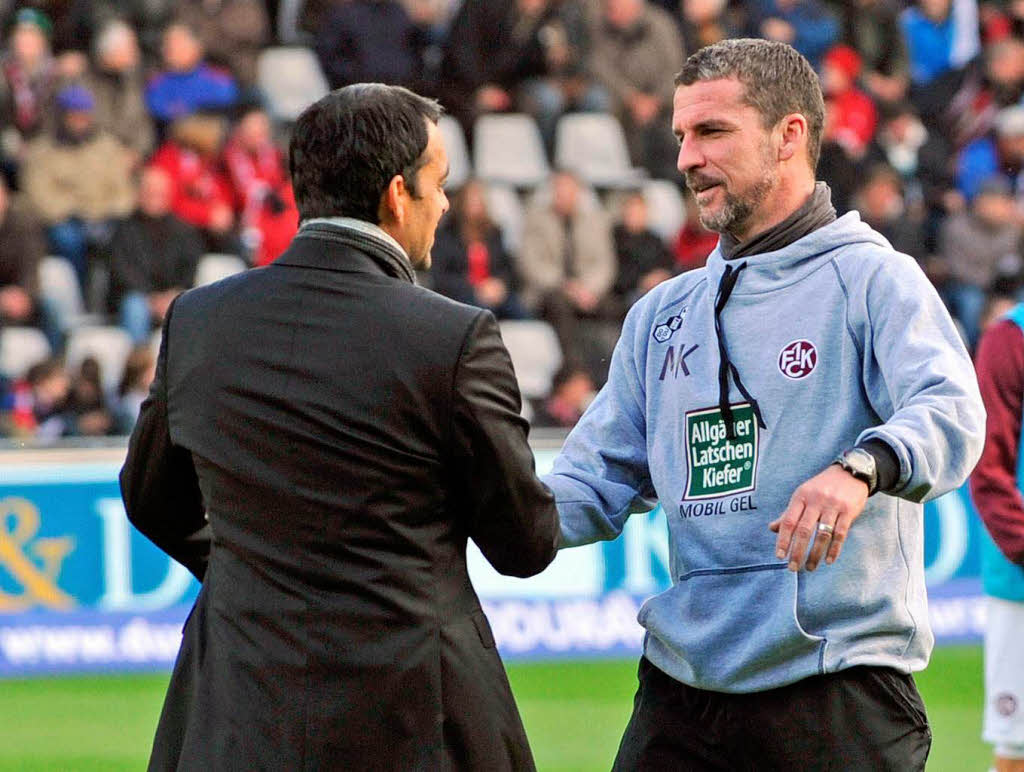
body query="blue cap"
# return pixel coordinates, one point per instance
(75, 97)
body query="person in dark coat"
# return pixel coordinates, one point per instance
(153, 257)
(320, 441)
(470, 261)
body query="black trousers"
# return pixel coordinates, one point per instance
(862, 718)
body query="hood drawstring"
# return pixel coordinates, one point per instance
(725, 366)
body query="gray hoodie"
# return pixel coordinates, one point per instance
(837, 339)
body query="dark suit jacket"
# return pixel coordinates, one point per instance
(345, 433)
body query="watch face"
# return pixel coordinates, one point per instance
(860, 461)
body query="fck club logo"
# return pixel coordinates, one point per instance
(798, 359)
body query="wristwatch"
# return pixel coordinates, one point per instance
(861, 465)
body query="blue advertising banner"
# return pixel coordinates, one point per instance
(81, 590)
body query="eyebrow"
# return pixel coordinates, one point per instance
(710, 123)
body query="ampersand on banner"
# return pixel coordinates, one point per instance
(33, 563)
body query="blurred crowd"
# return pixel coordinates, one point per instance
(136, 137)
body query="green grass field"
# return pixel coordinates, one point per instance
(574, 715)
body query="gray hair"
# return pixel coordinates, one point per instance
(776, 80)
(112, 34)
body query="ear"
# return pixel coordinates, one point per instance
(793, 136)
(392, 201)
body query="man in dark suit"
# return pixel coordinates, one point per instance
(339, 433)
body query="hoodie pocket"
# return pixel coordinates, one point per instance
(734, 629)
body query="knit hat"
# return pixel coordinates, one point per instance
(76, 98)
(844, 59)
(36, 18)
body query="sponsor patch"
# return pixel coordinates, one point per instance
(720, 466)
(665, 330)
(798, 359)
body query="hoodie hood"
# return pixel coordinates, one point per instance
(773, 270)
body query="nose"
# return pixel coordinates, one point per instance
(445, 204)
(689, 156)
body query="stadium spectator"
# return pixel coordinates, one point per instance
(715, 407)
(369, 41)
(836, 165)
(28, 82)
(972, 244)
(807, 25)
(882, 205)
(78, 180)
(264, 200)
(1001, 153)
(22, 246)
(997, 494)
(852, 114)
(704, 22)
(139, 371)
(470, 263)
(1004, 70)
(153, 257)
(643, 260)
(634, 45)
(202, 194)
(694, 242)
(572, 390)
(232, 33)
(525, 54)
(942, 38)
(115, 82)
(86, 412)
(40, 401)
(567, 264)
(564, 83)
(872, 28)
(187, 83)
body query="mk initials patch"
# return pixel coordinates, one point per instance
(720, 466)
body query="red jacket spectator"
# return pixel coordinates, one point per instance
(262, 190)
(852, 115)
(202, 194)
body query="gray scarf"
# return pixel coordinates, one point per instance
(366, 237)
(816, 211)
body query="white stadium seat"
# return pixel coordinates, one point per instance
(58, 285)
(291, 80)
(108, 345)
(508, 150)
(506, 211)
(214, 267)
(20, 348)
(536, 355)
(593, 145)
(666, 211)
(459, 165)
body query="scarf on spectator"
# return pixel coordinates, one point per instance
(366, 237)
(27, 107)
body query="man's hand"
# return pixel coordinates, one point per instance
(835, 498)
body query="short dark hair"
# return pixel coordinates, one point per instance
(346, 148)
(777, 80)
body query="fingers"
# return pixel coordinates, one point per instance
(786, 524)
(842, 528)
(822, 538)
(803, 533)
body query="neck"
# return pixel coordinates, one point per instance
(789, 196)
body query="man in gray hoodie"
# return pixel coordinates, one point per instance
(792, 403)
